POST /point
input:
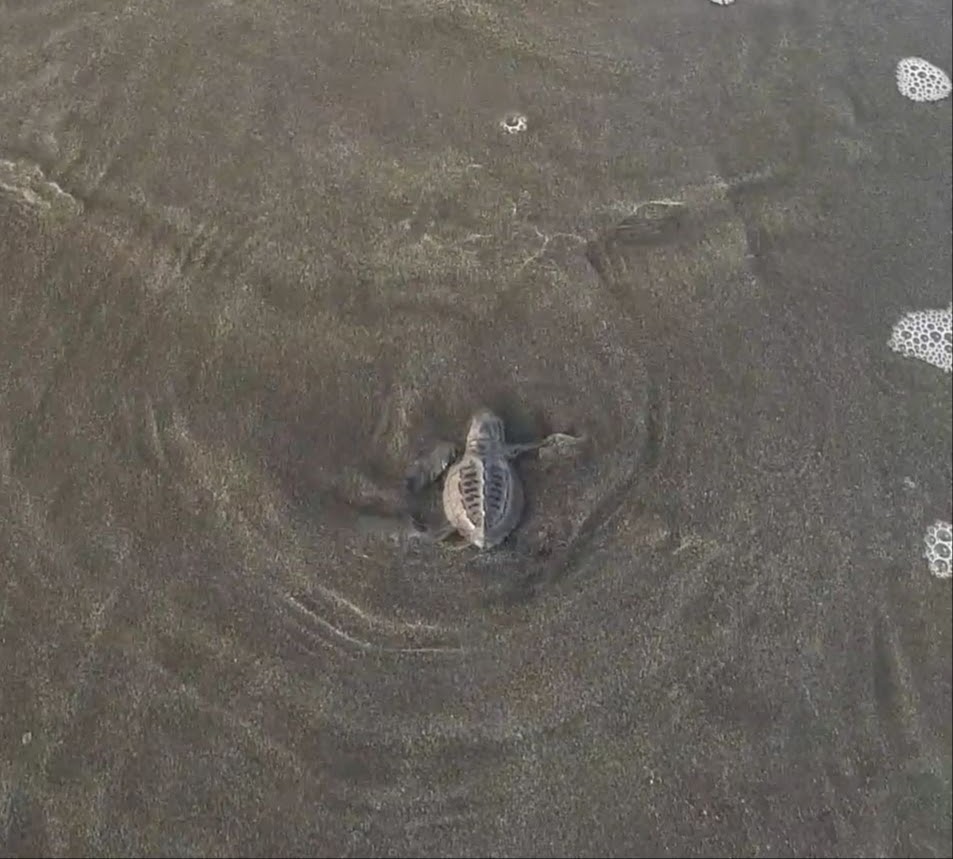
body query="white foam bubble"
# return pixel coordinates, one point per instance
(927, 335)
(921, 81)
(514, 123)
(939, 549)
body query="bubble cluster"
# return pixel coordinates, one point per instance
(514, 123)
(925, 334)
(939, 549)
(921, 81)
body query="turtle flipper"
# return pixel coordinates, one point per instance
(560, 443)
(432, 534)
(556, 444)
(422, 473)
(428, 468)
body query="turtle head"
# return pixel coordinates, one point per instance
(485, 426)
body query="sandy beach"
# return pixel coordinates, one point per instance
(256, 256)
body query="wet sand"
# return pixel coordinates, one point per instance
(255, 256)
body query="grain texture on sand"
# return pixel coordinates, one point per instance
(255, 256)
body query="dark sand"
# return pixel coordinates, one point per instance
(254, 255)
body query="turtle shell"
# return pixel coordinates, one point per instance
(483, 498)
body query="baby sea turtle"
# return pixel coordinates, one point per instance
(482, 493)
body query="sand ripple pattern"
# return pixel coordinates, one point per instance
(256, 254)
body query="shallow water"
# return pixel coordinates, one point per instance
(256, 256)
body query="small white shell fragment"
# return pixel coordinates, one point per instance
(938, 549)
(722, 2)
(921, 81)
